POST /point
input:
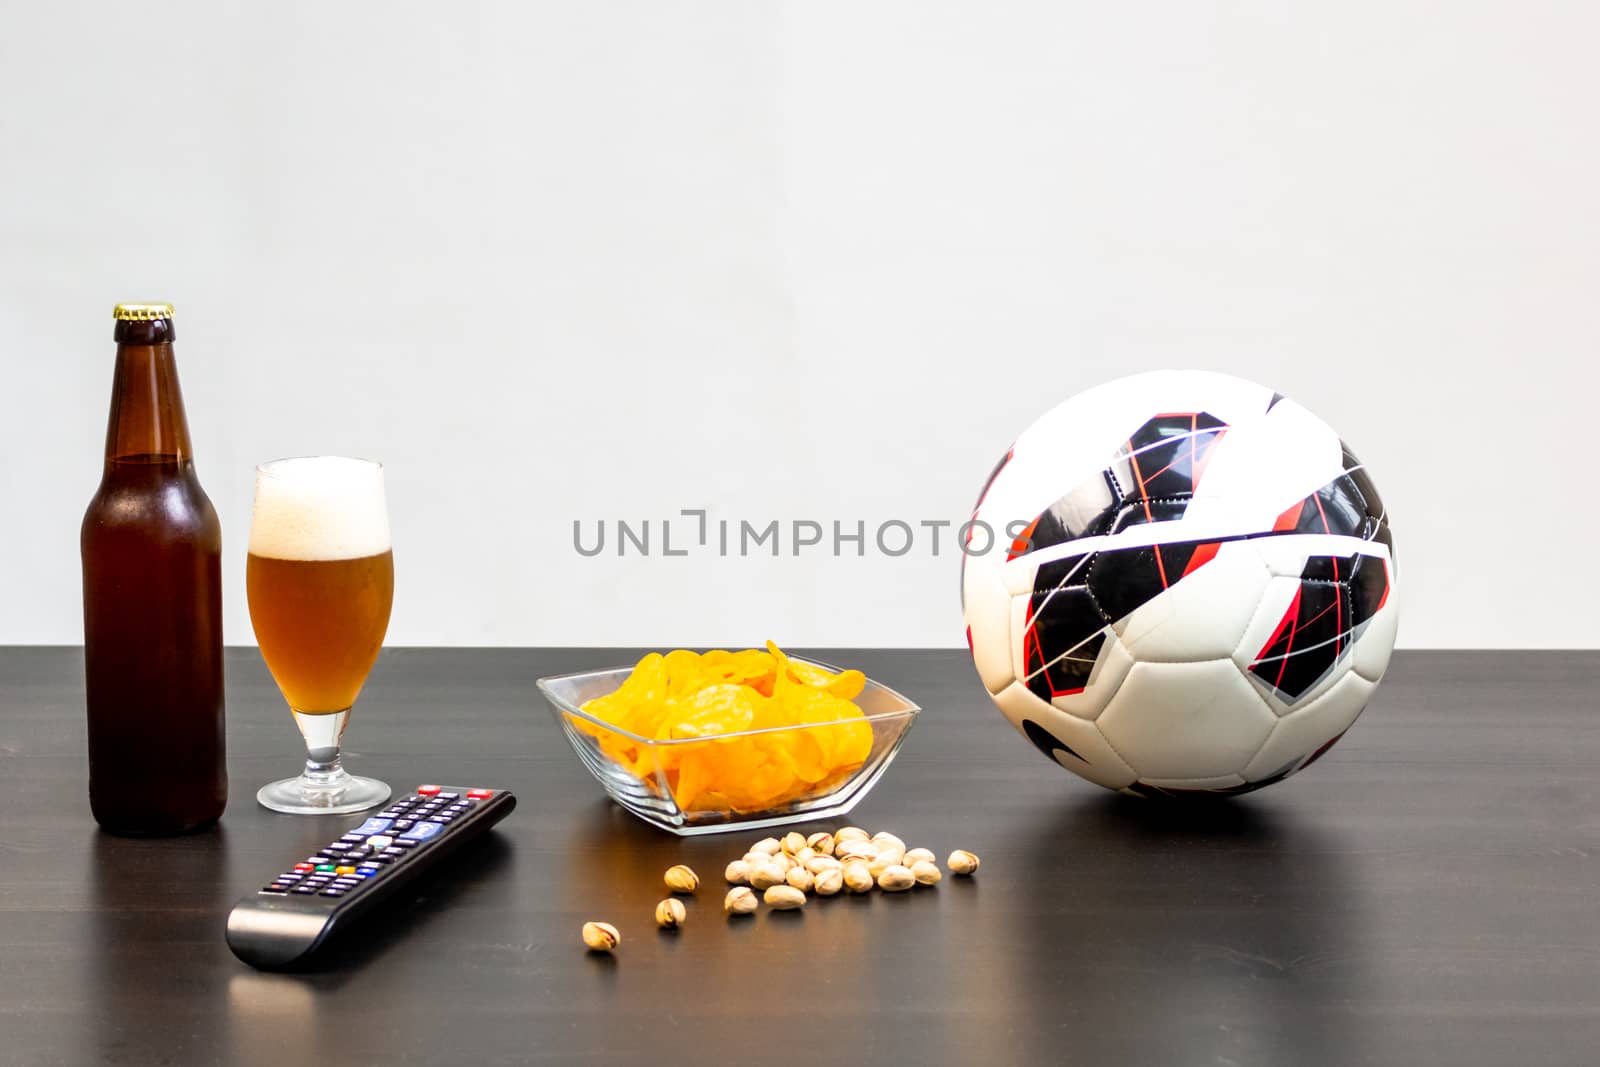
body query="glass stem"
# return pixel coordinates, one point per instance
(323, 733)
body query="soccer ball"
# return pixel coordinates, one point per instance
(1189, 587)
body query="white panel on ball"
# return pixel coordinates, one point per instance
(1300, 733)
(1376, 642)
(1203, 616)
(1089, 756)
(988, 612)
(1216, 782)
(1266, 464)
(1186, 720)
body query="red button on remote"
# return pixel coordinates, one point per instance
(479, 794)
(427, 790)
(304, 867)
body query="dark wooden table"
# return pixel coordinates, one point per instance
(1429, 893)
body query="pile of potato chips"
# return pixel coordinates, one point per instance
(818, 735)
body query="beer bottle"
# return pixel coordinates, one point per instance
(152, 603)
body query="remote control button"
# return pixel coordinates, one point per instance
(380, 841)
(427, 790)
(334, 892)
(479, 794)
(393, 853)
(304, 890)
(325, 867)
(365, 874)
(449, 796)
(305, 867)
(401, 842)
(403, 824)
(354, 854)
(374, 825)
(275, 889)
(344, 870)
(423, 831)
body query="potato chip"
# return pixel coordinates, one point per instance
(706, 704)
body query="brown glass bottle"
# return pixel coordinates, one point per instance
(152, 603)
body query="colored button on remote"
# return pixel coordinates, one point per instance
(427, 790)
(479, 794)
(422, 831)
(372, 826)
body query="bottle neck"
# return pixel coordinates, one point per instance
(147, 424)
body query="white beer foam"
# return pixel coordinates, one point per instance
(320, 507)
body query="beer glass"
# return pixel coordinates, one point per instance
(320, 580)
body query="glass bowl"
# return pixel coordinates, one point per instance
(649, 792)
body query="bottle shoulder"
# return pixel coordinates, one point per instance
(163, 498)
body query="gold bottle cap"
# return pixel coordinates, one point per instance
(142, 312)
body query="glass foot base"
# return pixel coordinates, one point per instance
(338, 795)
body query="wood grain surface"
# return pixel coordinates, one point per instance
(1428, 893)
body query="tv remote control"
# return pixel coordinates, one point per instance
(295, 913)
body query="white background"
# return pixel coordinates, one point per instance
(584, 260)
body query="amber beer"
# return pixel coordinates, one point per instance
(152, 603)
(320, 579)
(320, 624)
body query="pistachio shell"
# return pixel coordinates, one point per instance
(671, 913)
(784, 898)
(740, 901)
(829, 882)
(962, 862)
(681, 879)
(601, 937)
(896, 878)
